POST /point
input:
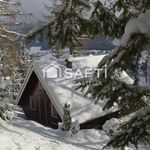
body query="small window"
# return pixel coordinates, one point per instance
(53, 111)
(32, 103)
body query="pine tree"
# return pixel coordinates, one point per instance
(67, 23)
(72, 128)
(66, 124)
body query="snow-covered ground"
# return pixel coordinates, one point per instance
(20, 134)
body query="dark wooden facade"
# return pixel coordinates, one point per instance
(37, 105)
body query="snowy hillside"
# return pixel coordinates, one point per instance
(21, 134)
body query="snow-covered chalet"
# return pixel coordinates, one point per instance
(44, 94)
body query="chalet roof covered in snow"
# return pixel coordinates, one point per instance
(62, 90)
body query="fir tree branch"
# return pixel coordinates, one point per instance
(117, 56)
(110, 26)
(144, 90)
(135, 131)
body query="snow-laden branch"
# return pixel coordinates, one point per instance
(9, 2)
(12, 32)
(7, 38)
(144, 90)
(113, 60)
(135, 131)
(140, 27)
(137, 25)
(7, 14)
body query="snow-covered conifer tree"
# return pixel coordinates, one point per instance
(72, 128)
(67, 23)
(66, 124)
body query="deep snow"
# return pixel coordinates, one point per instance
(21, 134)
(29, 135)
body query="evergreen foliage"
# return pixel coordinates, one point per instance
(129, 98)
(71, 128)
(104, 22)
(134, 131)
(57, 53)
(65, 24)
(66, 118)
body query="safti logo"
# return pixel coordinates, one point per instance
(53, 71)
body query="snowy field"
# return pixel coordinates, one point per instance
(20, 134)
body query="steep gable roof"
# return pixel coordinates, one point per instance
(62, 90)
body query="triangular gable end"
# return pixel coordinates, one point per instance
(36, 103)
